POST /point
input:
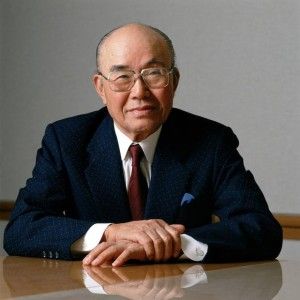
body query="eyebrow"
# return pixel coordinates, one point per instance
(153, 61)
(118, 68)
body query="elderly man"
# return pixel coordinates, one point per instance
(139, 179)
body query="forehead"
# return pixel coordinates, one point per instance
(134, 47)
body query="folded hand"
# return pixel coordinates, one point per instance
(160, 240)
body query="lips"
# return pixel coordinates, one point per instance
(142, 108)
(142, 111)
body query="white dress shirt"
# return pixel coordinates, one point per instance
(191, 248)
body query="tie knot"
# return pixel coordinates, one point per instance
(136, 153)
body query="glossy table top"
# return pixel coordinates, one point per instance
(34, 278)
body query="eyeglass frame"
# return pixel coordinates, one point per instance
(136, 76)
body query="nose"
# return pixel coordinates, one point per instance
(140, 89)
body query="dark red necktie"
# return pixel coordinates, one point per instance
(137, 188)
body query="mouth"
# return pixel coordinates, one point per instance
(142, 110)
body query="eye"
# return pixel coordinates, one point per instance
(153, 72)
(121, 76)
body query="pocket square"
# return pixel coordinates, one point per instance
(186, 199)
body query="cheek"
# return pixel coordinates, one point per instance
(166, 99)
(116, 104)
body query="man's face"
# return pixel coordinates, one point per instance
(140, 111)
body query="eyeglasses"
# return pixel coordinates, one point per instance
(124, 80)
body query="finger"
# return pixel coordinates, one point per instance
(179, 227)
(167, 239)
(158, 243)
(170, 237)
(133, 251)
(160, 239)
(144, 239)
(95, 252)
(176, 240)
(175, 230)
(107, 255)
(126, 255)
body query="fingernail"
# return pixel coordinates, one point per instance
(86, 261)
(94, 262)
(114, 264)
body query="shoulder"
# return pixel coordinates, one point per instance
(195, 135)
(192, 126)
(84, 121)
(77, 129)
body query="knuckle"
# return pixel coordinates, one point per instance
(151, 222)
(141, 237)
(158, 241)
(146, 240)
(126, 253)
(149, 243)
(130, 247)
(175, 237)
(167, 239)
(149, 249)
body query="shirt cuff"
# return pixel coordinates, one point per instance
(192, 248)
(91, 239)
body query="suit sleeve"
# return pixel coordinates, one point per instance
(40, 225)
(246, 230)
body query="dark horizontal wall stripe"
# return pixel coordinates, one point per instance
(290, 224)
(6, 207)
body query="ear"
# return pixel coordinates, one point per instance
(176, 76)
(98, 84)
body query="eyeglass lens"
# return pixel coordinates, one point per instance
(153, 77)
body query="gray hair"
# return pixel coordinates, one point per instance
(161, 33)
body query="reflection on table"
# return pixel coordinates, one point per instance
(48, 279)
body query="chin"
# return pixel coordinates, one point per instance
(144, 130)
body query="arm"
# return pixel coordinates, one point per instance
(43, 222)
(46, 221)
(247, 229)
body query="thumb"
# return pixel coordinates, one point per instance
(179, 227)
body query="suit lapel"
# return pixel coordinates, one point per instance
(169, 177)
(105, 175)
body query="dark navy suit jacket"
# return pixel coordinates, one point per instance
(78, 181)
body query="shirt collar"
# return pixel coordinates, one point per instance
(148, 145)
